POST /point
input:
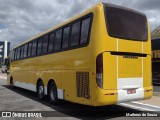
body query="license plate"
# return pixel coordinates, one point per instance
(131, 91)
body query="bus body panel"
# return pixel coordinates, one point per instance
(62, 69)
(123, 72)
(147, 71)
(129, 67)
(110, 75)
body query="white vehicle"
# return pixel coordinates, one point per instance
(4, 69)
(5, 65)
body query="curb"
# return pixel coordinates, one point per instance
(156, 94)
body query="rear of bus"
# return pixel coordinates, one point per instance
(123, 66)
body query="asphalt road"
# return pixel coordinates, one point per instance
(17, 99)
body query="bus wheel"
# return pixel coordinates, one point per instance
(40, 90)
(53, 93)
(11, 82)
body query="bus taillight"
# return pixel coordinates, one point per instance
(99, 70)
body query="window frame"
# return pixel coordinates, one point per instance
(115, 36)
(80, 21)
(89, 30)
(12, 58)
(15, 54)
(54, 32)
(18, 52)
(57, 30)
(29, 53)
(22, 50)
(46, 35)
(26, 50)
(33, 41)
(40, 38)
(69, 37)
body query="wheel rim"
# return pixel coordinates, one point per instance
(52, 94)
(40, 91)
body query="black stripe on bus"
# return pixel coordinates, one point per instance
(129, 54)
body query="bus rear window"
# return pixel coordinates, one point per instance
(125, 23)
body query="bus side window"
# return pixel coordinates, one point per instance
(25, 50)
(22, 50)
(18, 53)
(11, 54)
(51, 41)
(15, 54)
(58, 40)
(45, 43)
(85, 30)
(66, 37)
(29, 49)
(39, 47)
(75, 34)
(34, 47)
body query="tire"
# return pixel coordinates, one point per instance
(40, 90)
(53, 97)
(11, 82)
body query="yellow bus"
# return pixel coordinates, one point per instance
(100, 57)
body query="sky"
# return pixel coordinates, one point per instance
(22, 19)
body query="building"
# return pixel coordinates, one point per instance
(156, 33)
(4, 50)
(156, 60)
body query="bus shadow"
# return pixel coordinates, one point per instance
(69, 109)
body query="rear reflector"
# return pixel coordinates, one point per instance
(148, 90)
(111, 94)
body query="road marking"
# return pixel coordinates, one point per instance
(14, 100)
(146, 104)
(132, 106)
(156, 94)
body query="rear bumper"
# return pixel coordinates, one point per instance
(108, 97)
(124, 97)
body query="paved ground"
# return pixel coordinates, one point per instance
(156, 88)
(17, 99)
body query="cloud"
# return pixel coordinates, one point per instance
(20, 20)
